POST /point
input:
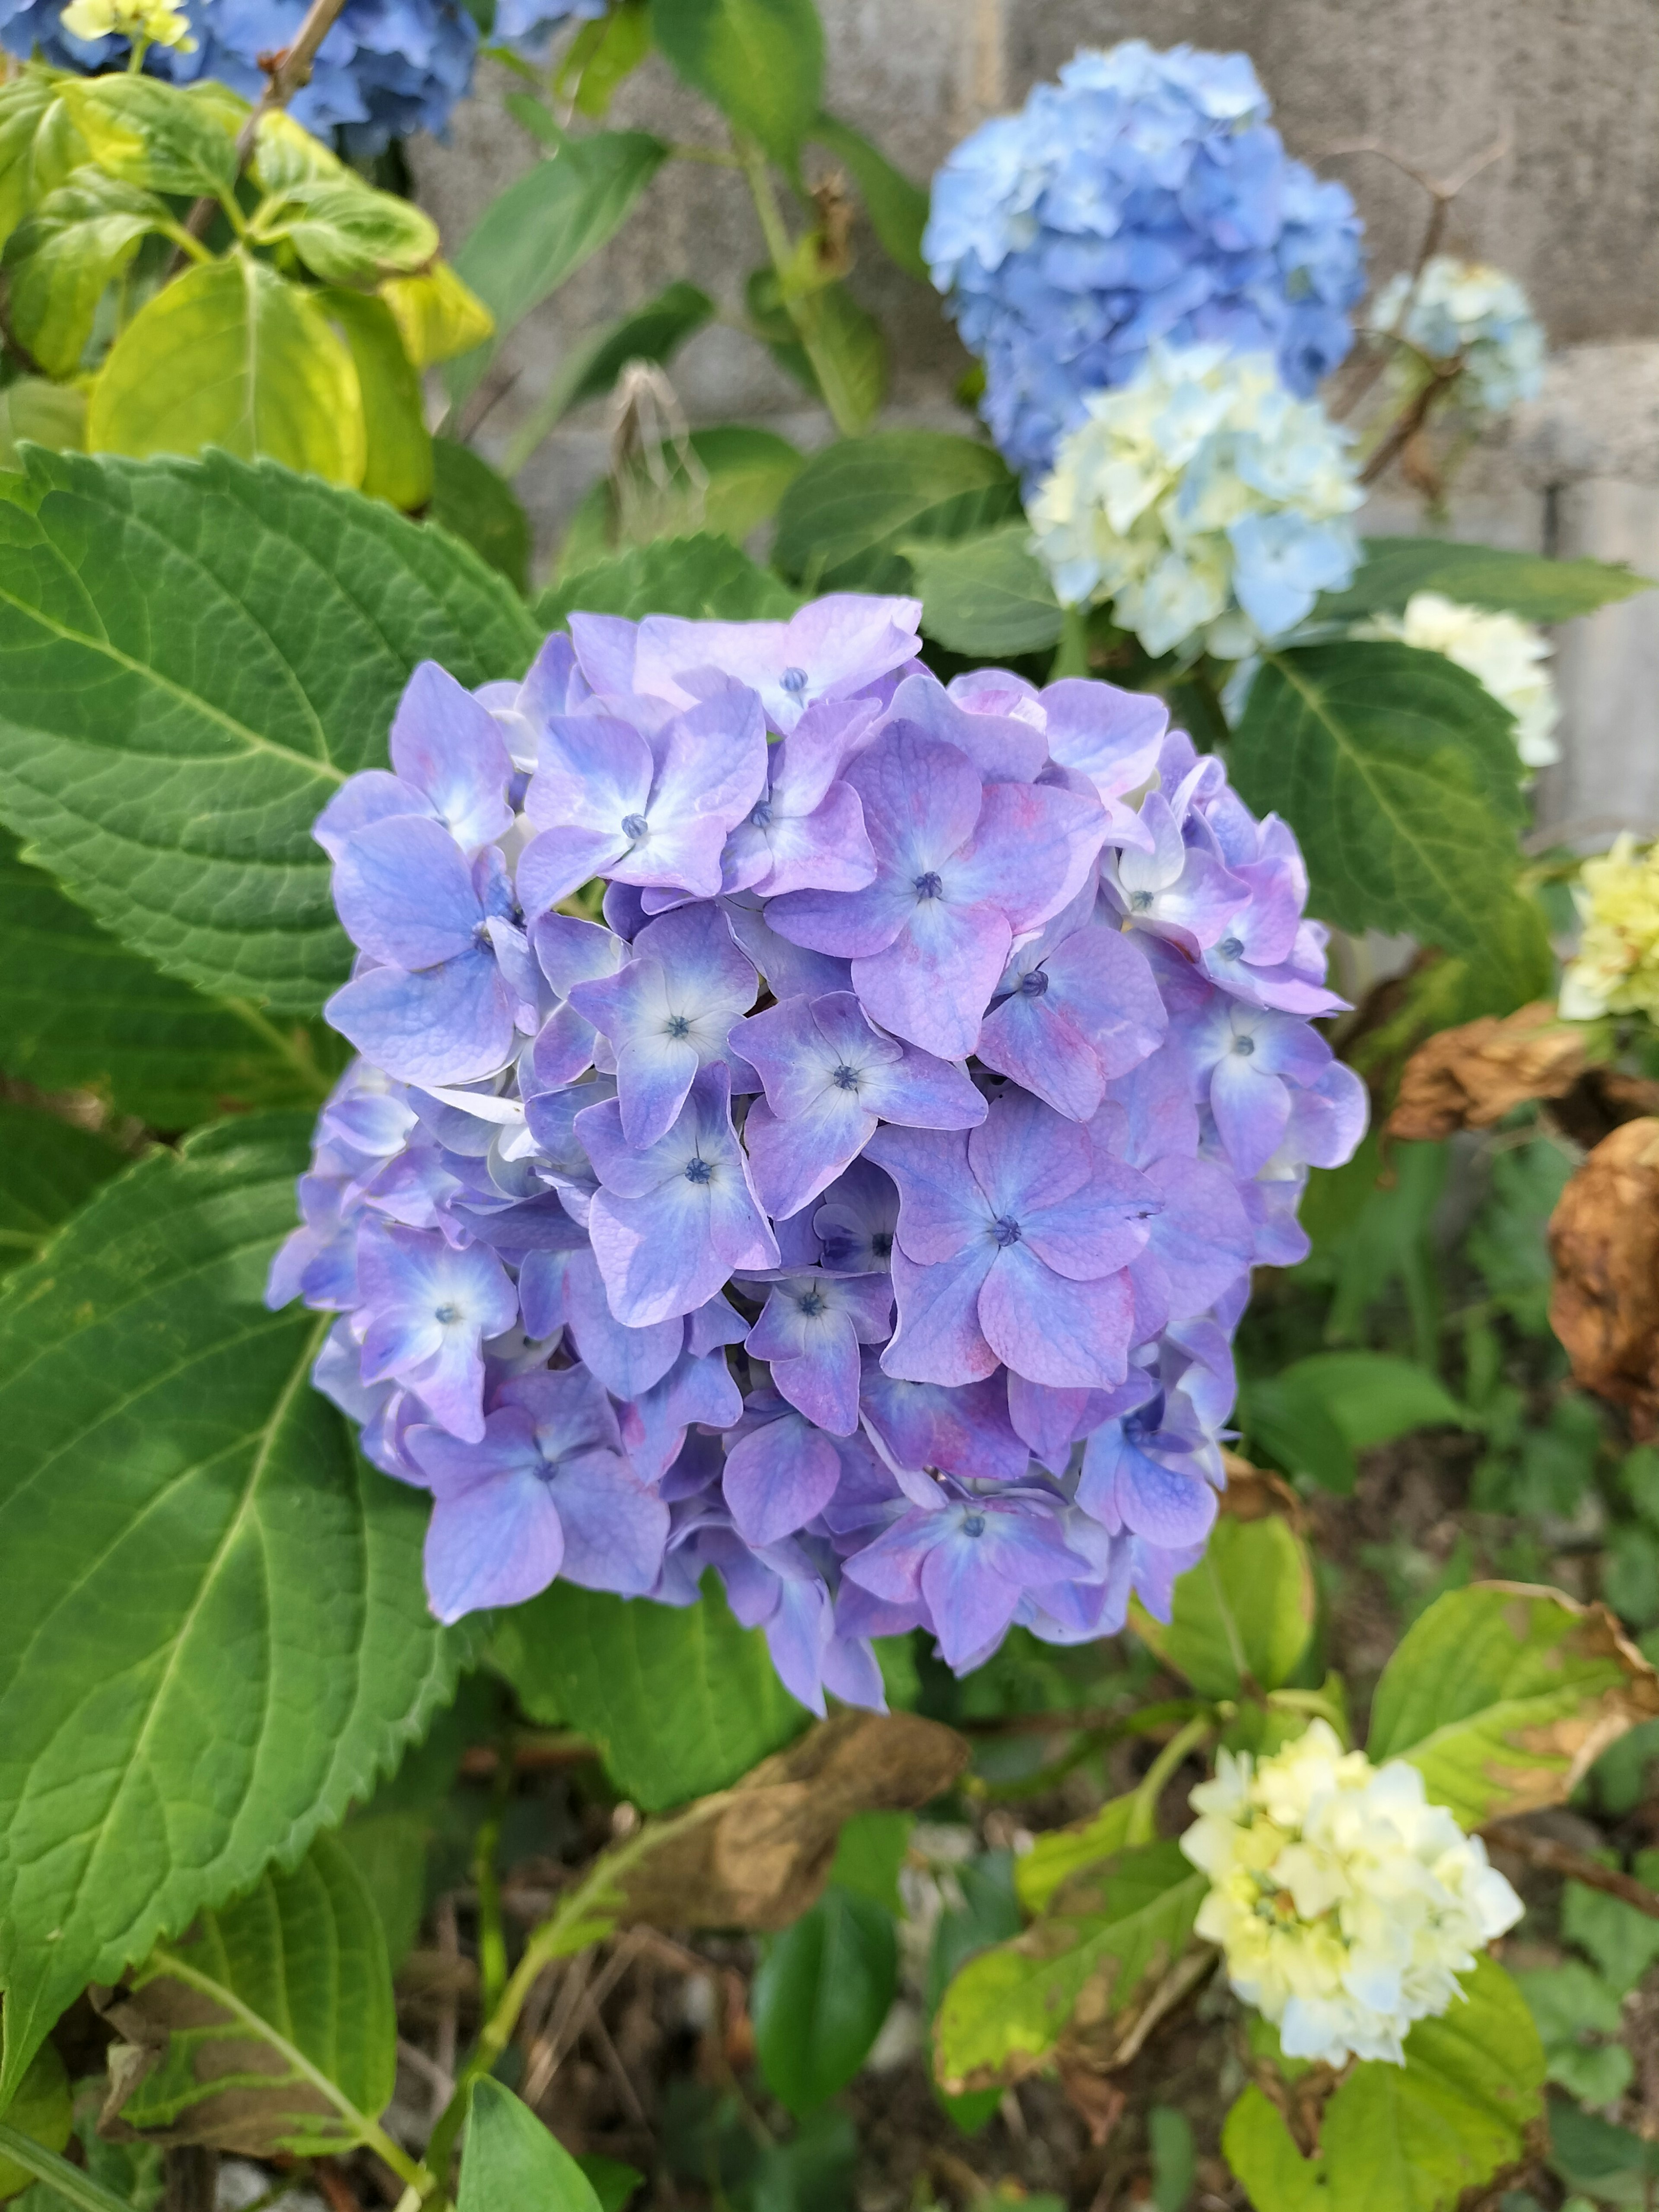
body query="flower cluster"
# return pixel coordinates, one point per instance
(1143, 197)
(386, 68)
(1204, 501)
(1501, 651)
(862, 1209)
(1616, 968)
(1463, 311)
(1344, 1904)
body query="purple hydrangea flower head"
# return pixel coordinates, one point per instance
(1143, 197)
(903, 1304)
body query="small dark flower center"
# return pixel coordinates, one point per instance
(1244, 1047)
(845, 1078)
(1230, 947)
(973, 1524)
(635, 826)
(698, 1171)
(1034, 983)
(812, 1303)
(447, 1313)
(793, 681)
(1006, 1229)
(1140, 902)
(678, 1026)
(881, 1243)
(928, 886)
(761, 814)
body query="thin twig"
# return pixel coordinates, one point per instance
(1550, 1856)
(286, 73)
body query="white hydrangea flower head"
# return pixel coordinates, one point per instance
(1346, 1904)
(1616, 968)
(1501, 651)
(1204, 500)
(1465, 308)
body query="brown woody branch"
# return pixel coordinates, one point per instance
(1550, 1856)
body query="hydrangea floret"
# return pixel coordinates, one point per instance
(1204, 500)
(1144, 197)
(862, 1209)
(1615, 970)
(1344, 1904)
(1506, 654)
(1467, 314)
(387, 68)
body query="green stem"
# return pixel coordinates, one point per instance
(69, 2182)
(182, 239)
(801, 313)
(1142, 1827)
(492, 1933)
(369, 2131)
(135, 59)
(586, 1916)
(1072, 653)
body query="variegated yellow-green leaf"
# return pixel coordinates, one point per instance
(296, 1967)
(39, 145)
(1054, 1857)
(1502, 1695)
(159, 136)
(233, 355)
(439, 315)
(62, 255)
(53, 415)
(398, 464)
(344, 230)
(285, 153)
(1097, 1959)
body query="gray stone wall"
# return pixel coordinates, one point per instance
(1570, 206)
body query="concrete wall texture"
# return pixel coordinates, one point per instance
(1570, 206)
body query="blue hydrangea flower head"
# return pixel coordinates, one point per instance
(386, 69)
(862, 1210)
(1145, 197)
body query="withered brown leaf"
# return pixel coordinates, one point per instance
(1604, 1241)
(1470, 1076)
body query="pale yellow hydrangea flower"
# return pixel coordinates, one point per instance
(1617, 968)
(1500, 651)
(1344, 1904)
(154, 21)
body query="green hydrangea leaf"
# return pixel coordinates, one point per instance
(39, 145)
(47, 1169)
(702, 578)
(194, 658)
(1527, 584)
(64, 254)
(1398, 772)
(1503, 1695)
(164, 137)
(216, 1635)
(986, 595)
(679, 1700)
(345, 231)
(1250, 1597)
(761, 62)
(820, 1995)
(397, 464)
(232, 354)
(477, 506)
(840, 522)
(510, 2159)
(295, 1966)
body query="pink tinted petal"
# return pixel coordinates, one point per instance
(847, 925)
(1025, 1156)
(824, 1383)
(924, 1092)
(921, 800)
(1001, 746)
(497, 1544)
(778, 1478)
(1203, 1236)
(829, 849)
(931, 985)
(1103, 981)
(1033, 1041)
(1097, 1228)
(1032, 850)
(942, 1210)
(1072, 1335)
(939, 1337)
